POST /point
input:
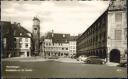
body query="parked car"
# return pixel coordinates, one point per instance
(123, 62)
(82, 58)
(94, 60)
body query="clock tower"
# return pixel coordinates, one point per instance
(36, 36)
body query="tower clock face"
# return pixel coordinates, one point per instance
(36, 22)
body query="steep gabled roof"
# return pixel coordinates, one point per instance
(20, 31)
(58, 37)
(73, 38)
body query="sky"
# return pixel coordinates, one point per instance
(72, 17)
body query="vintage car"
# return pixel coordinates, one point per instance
(82, 58)
(94, 60)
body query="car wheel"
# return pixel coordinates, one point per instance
(88, 62)
(103, 62)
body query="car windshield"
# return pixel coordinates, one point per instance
(94, 57)
(83, 56)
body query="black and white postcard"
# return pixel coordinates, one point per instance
(63, 39)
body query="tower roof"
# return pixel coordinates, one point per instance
(35, 18)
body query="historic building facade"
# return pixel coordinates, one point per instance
(57, 44)
(117, 30)
(106, 37)
(36, 36)
(94, 40)
(72, 45)
(16, 40)
(6, 31)
(22, 41)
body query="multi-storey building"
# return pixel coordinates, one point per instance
(6, 38)
(117, 30)
(36, 36)
(94, 40)
(22, 41)
(16, 40)
(106, 37)
(72, 45)
(57, 44)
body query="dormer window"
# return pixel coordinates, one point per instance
(63, 35)
(20, 34)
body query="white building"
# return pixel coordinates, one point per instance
(117, 30)
(56, 44)
(22, 41)
(107, 36)
(72, 46)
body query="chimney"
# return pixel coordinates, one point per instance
(18, 24)
(52, 31)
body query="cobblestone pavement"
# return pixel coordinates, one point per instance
(54, 69)
(64, 60)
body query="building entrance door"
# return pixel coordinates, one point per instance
(115, 55)
(27, 53)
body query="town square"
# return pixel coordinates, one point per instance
(64, 39)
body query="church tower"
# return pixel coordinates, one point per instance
(36, 36)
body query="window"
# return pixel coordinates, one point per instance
(20, 34)
(20, 45)
(26, 45)
(62, 48)
(20, 39)
(4, 42)
(46, 44)
(26, 39)
(63, 35)
(14, 32)
(66, 48)
(118, 34)
(14, 45)
(118, 17)
(14, 39)
(125, 33)
(35, 28)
